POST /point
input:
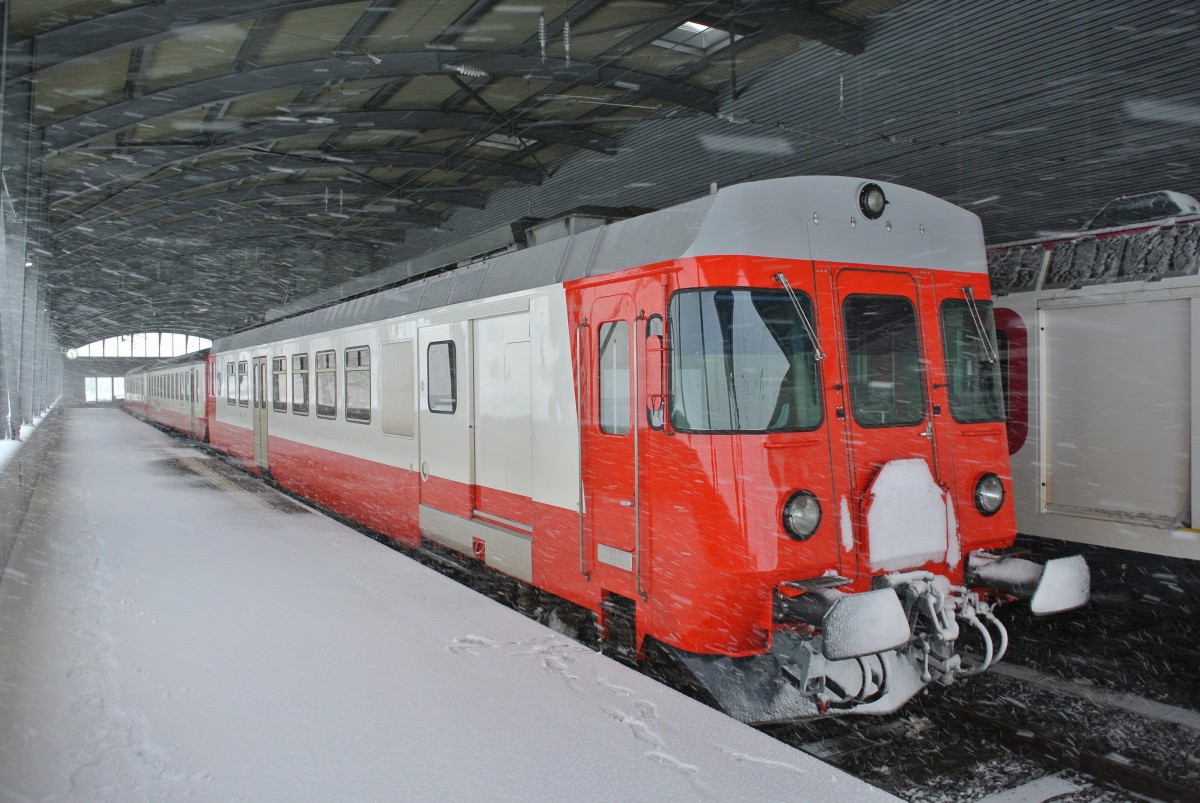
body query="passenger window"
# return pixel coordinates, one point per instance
(243, 386)
(326, 384)
(279, 384)
(300, 384)
(358, 384)
(887, 386)
(614, 377)
(442, 383)
(397, 401)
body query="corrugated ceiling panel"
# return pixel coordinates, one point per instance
(577, 102)
(748, 60)
(412, 24)
(371, 140)
(505, 93)
(27, 16)
(310, 34)
(187, 124)
(64, 163)
(349, 96)
(267, 104)
(510, 23)
(197, 55)
(858, 10)
(304, 142)
(422, 92)
(390, 175)
(81, 88)
(655, 60)
(607, 27)
(434, 140)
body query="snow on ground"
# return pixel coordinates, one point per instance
(171, 630)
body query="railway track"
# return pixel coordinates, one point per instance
(1018, 736)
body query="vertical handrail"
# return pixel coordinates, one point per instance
(635, 421)
(579, 354)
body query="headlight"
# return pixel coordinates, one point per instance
(871, 201)
(801, 515)
(989, 494)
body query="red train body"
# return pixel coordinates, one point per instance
(760, 433)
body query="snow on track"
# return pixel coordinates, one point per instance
(172, 630)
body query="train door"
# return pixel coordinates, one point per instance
(883, 412)
(258, 395)
(503, 432)
(608, 374)
(445, 419)
(193, 412)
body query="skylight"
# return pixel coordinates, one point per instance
(505, 143)
(695, 39)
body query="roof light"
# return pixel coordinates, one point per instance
(872, 201)
(695, 39)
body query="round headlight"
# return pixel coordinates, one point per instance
(989, 494)
(871, 201)
(801, 515)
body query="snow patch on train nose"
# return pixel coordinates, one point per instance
(908, 517)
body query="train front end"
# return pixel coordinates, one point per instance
(841, 524)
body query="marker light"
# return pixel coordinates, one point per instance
(871, 201)
(989, 494)
(801, 515)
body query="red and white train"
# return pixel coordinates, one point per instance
(1100, 348)
(759, 436)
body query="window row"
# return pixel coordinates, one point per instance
(179, 386)
(301, 383)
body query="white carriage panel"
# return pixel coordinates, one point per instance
(503, 417)
(397, 368)
(555, 415)
(1115, 402)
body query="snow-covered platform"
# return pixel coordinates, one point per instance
(171, 629)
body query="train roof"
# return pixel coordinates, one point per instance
(803, 217)
(167, 363)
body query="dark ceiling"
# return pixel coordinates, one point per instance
(192, 164)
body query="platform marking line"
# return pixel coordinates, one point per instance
(245, 497)
(1114, 699)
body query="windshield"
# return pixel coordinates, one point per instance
(887, 385)
(973, 378)
(742, 362)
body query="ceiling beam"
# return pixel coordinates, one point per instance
(132, 162)
(162, 189)
(89, 126)
(235, 201)
(199, 232)
(147, 24)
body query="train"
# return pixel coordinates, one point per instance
(757, 438)
(1100, 354)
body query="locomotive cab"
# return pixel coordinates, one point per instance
(838, 510)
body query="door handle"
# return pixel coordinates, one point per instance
(928, 433)
(425, 471)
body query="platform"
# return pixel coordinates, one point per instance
(173, 629)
